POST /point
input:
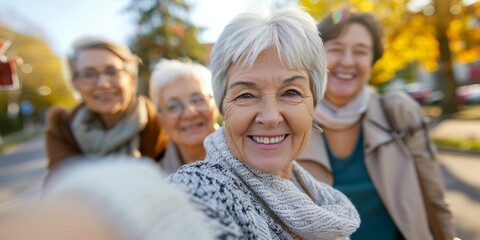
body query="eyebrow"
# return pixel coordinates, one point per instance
(293, 78)
(94, 68)
(356, 45)
(250, 84)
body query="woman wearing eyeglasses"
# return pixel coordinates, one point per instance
(112, 118)
(183, 96)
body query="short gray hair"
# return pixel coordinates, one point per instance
(290, 30)
(166, 71)
(130, 60)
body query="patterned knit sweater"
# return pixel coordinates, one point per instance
(244, 203)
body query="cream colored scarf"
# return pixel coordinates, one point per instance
(122, 138)
(338, 118)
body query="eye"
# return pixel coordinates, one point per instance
(88, 74)
(112, 72)
(245, 95)
(198, 100)
(335, 49)
(361, 52)
(174, 106)
(291, 93)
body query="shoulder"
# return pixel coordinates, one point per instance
(57, 115)
(202, 176)
(151, 109)
(399, 99)
(153, 139)
(210, 182)
(153, 125)
(402, 107)
(217, 193)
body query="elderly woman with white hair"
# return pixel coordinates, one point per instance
(269, 73)
(182, 93)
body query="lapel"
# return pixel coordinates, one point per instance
(315, 149)
(375, 126)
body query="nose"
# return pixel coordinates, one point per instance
(347, 58)
(103, 81)
(190, 111)
(270, 114)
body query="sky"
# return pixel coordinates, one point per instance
(60, 22)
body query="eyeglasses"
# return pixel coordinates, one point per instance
(90, 77)
(176, 107)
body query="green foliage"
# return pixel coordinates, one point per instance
(5, 144)
(467, 144)
(41, 77)
(164, 31)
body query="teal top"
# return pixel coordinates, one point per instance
(351, 177)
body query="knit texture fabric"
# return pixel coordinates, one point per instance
(244, 203)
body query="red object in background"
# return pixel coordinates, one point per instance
(4, 44)
(419, 91)
(469, 94)
(8, 75)
(474, 73)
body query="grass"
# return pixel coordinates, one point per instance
(467, 113)
(467, 144)
(13, 140)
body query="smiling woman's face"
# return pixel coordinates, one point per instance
(108, 95)
(349, 59)
(268, 113)
(196, 118)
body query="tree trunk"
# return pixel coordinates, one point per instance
(445, 75)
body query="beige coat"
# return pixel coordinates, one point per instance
(398, 179)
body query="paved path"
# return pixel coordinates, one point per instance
(462, 180)
(457, 129)
(22, 170)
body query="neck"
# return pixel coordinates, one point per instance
(286, 171)
(191, 154)
(338, 102)
(109, 120)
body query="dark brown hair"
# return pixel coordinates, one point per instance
(335, 22)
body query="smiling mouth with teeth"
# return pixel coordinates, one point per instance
(344, 76)
(198, 125)
(268, 140)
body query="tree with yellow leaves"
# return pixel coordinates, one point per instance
(435, 35)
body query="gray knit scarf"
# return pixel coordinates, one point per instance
(122, 138)
(329, 216)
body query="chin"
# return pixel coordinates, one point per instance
(269, 166)
(111, 111)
